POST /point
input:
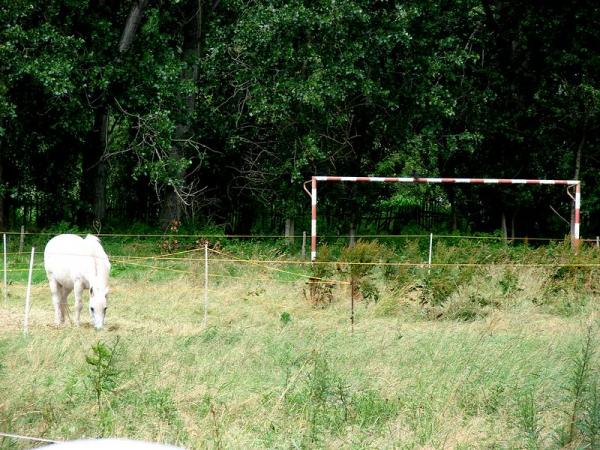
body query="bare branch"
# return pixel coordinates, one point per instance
(558, 214)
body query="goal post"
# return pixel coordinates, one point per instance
(315, 179)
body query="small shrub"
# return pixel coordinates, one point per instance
(285, 318)
(589, 422)
(582, 393)
(102, 377)
(528, 419)
(441, 283)
(359, 265)
(508, 282)
(320, 284)
(464, 306)
(102, 373)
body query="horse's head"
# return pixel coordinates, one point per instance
(98, 304)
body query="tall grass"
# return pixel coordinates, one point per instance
(486, 359)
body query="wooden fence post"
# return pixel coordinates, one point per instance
(28, 295)
(22, 239)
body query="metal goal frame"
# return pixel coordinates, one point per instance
(315, 179)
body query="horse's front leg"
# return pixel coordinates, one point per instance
(78, 292)
(56, 290)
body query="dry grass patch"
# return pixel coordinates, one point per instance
(252, 379)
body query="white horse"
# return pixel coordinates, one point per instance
(75, 264)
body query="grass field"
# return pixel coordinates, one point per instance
(504, 359)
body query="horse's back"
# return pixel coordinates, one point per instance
(64, 246)
(66, 258)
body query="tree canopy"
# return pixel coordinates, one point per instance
(217, 112)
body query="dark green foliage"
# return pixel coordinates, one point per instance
(441, 282)
(236, 113)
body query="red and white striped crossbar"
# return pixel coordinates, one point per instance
(314, 180)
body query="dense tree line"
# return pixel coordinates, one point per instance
(149, 111)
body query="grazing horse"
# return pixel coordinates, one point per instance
(74, 264)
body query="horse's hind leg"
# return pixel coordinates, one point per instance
(56, 291)
(64, 306)
(78, 292)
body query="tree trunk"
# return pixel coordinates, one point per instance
(99, 210)
(133, 22)
(289, 230)
(352, 240)
(513, 224)
(172, 203)
(94, 171)
(503, 226)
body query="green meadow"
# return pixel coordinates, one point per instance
(503, 355)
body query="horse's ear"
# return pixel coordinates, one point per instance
(91, 291)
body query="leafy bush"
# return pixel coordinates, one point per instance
(102, 373)
(102, 377)
(320, 284)
(359, 264)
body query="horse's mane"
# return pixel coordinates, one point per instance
(97, 251)
(93, 238)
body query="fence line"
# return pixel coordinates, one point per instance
(267, 264)
(424, 264)
(275, 269)
(313, 280)
(164, 255)
(169, 269)
(389, 263)
(4, 267)
(261, 263)
(299, 236)
(214, 275)
(30, 438)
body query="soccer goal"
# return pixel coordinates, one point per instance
(314, 180)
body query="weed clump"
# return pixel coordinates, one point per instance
(328, 404)
(102, 372)
(583, 414)
(359, 262)
(285, 318)
(102, 377)
(320, 284)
